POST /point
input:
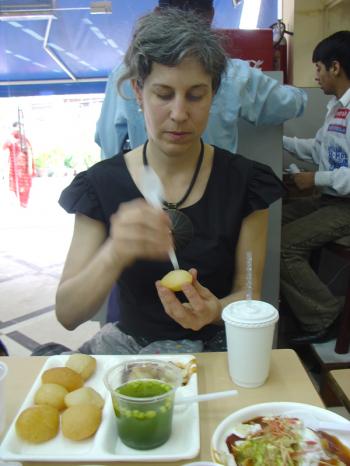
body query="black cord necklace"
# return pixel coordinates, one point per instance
(182, 227)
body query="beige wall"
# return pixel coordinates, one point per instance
(311, 21)
(338, 17)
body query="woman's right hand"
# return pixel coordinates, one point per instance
(139, 231)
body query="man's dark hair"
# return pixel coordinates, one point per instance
(334, 48)
(198, 5)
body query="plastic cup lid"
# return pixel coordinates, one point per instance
(250, 314)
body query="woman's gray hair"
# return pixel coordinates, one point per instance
(169, 36)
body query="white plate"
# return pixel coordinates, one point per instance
(224, 429)
(105, 445)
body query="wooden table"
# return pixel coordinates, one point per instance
(340, 384)
(288, 381)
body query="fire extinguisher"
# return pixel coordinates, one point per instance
(280, 47)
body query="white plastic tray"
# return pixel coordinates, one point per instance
(105, 446)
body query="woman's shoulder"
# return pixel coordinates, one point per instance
(257, 180)
(100, 177)
(104, 170)
(97, 191)
(244, 169)
(107, 164)
(228, 160)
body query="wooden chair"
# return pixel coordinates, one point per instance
(328, 361)
(341, 248)
(339, 381)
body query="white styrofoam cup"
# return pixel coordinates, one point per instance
(249, 329)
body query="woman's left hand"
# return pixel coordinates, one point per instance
(202, 308)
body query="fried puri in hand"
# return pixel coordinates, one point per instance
(81, 421)
(83, 364)
(175, 279)
(84, 395)
(51, 394)
(64, 376)
(38, 424)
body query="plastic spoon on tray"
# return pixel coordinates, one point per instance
(205, 397)
(153, 191)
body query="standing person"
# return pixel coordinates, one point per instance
(175, 64)
(244, 92)
(309, 223)
(21, 165)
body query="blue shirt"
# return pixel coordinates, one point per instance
(244, 92)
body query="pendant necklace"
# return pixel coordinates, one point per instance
(182, 227)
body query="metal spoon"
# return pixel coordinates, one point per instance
(153, 191)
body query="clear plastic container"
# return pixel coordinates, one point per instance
(143, 400)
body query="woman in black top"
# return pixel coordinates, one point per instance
(175, 63)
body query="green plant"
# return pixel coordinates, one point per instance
(69, 161)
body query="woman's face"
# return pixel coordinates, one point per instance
(176, 103)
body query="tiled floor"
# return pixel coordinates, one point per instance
(34, 242)
(33, 245)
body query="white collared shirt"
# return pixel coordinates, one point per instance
(330, 149)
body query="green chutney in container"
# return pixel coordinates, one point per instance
(144, 412)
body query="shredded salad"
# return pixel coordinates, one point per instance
(284, 441)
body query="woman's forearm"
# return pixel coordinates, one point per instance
(238, 296)
(252, 238)
(80, 296)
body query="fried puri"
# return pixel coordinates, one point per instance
(38, 424)
(51, 394)
(175, 279)
(81, 421)
(84, 395)
(64, 376)
(83, 364)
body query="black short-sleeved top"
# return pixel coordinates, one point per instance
(236, 187)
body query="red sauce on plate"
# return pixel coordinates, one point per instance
(333, 445)
(330, 443)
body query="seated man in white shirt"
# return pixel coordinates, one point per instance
(244, 92)
(309, 223)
